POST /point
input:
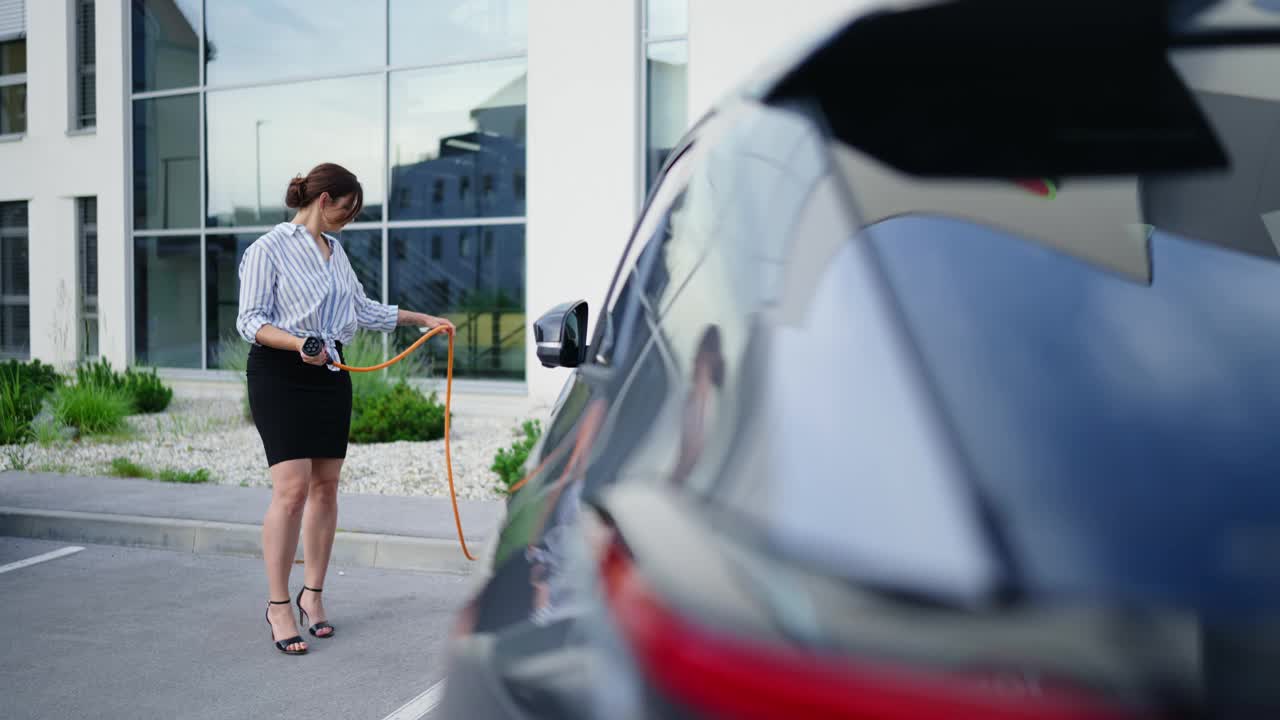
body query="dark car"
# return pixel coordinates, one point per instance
(940, 379)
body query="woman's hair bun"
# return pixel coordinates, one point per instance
(330, 178)
(296, 195)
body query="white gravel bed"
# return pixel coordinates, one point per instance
(211, 433)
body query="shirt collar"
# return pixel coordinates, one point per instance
(296, 229)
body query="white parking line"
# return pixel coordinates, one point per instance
(40, 558)
(417, 708)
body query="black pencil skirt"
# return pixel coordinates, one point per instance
(300, 410)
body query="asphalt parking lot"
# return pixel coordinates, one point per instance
(115, 632)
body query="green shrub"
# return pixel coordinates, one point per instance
(99, 374)
(146, 392)
(34, 373)
(19, 405)
(126, 468)
(47, 432)
(91, 409)
(23, 388)
(399, 413)
(509, 462)
(149, 393)
(191, 477)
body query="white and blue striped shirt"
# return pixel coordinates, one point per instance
(287, 283)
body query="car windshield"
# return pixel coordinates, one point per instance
(1106, 350)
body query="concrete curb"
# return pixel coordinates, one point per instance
(350, 549)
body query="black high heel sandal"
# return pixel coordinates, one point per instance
(283, 645)
(302, 614)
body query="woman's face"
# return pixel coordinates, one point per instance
(335, 212)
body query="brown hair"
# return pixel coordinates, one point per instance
(326, 178)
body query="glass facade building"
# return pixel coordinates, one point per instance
(425, 102)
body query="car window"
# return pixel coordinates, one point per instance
(794, 411)
(620, 329)
(755, 185)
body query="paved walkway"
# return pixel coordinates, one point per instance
(413, 533)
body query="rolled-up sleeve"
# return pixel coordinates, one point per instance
(373, 315)
(257, 292)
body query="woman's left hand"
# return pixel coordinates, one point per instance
(431, 321)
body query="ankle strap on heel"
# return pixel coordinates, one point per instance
(314, 590)
(277, 602)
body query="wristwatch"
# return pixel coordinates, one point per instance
(312, 346)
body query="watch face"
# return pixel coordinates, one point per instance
(311, 346)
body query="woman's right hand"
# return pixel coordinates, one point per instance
(321, 359)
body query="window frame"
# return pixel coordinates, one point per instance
(87, 304)
(15, 80)
(8, 233)
(82, 122)
(646, 41)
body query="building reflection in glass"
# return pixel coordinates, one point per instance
(474, 276)
(458, 142)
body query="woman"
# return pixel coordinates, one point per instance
(296, 284)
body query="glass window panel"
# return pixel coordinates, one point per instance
(166, 163)
(222, 285)
(258, 141)
(89, 247)
(15, 330)
(166, 44)
(222, 296)
(423, 33)
(667, 95)
(88, 252)
(89, 344)
(166, 301)
(13, 57)
(14, 267)
(86, 70)
(482, 294)
(364, 250)
(257, 40)
(13, 109)
(458, 141)
(15, 309)
(667, 17)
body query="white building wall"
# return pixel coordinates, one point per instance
(53, 164)
(583, 158)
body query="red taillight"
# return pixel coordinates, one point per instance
(1044, 187)
(735, 678)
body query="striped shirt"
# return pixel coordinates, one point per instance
(286, 282)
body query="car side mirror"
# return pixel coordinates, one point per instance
(561, 335)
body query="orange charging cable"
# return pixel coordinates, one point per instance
(448, 402)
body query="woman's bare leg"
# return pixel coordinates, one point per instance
(319, 524)
(289, 483)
